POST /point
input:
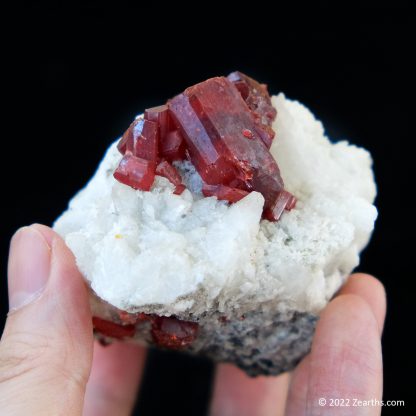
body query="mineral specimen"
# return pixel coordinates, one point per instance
(211, 277)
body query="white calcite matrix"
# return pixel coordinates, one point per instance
(185, 254)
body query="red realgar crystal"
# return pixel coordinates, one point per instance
(160, 116)
(224, 126)
(172, 146)
(136, 172)
(223, 192)
(139, 145)
(179, 189)
(141, 140)
(258, 100)
(210, 163)
(173, 333)
(111, 329)
(166, 170)
(212, 117)
(167, 332)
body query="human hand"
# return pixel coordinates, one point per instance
(47, 365)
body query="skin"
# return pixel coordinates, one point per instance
(50, 365)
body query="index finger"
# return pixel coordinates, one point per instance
(360, 302)
(114, 381)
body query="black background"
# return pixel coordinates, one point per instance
(77, 77)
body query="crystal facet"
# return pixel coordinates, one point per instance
(140, 139)
(160, 116)
(258, 99)
(168, 171)
(173, 146)
(255, 95)
(127, 141)
(209, 162)
(223, 192)
(135, 172)
(145, 145)
(284, 200)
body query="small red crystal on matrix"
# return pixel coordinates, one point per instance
(129, 318)
(141, 140)
(111, 329)
(173, 333)
(284, 201)
(223, 192)
(135, 172)
(179, 189)
(223, 125)
(167, 332)
(166, 170)
(139, 145)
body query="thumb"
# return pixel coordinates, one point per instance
(46, 347)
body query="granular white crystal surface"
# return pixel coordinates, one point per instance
(181, 254)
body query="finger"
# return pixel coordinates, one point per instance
(345, 359)
(114, 380)
(371, 290)
(47, 233)
(46, 347)
(298, 389)
(235, 393)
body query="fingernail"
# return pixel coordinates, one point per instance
(29, 266)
